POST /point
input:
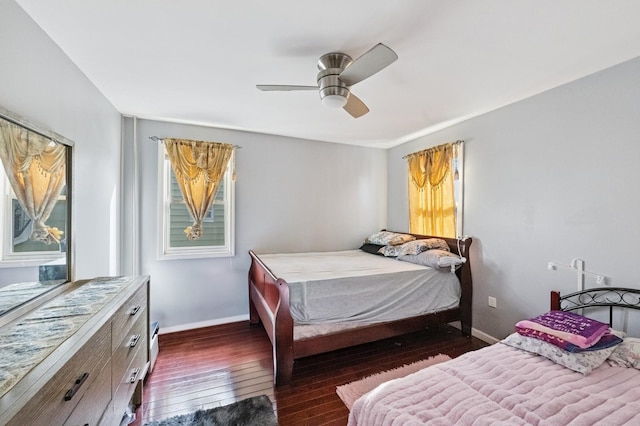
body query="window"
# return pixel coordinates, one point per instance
(16, 245)
(218, 230)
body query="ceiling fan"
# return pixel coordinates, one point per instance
(338, 72)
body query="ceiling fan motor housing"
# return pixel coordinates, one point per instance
(333, 91)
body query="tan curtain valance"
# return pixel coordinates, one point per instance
(36, 168)
(199, 167)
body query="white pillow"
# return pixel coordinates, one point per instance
(626, 354)
(582, 362)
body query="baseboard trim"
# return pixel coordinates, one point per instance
(483, 336)
(477, 333)
(202, 324)
(183, 327)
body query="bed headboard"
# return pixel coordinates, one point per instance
(611, 297)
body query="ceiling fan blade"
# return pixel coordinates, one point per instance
(355, 106)
(369, 63)
(283, 87)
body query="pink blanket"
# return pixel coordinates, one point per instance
(503, 385)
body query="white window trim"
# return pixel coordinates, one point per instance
(177, 253)
(460, 207)
(8, 259)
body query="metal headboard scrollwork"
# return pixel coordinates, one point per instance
(610, 297)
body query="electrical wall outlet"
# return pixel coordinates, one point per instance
(492, 302)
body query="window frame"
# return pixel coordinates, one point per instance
(165, 251)
(458, 190)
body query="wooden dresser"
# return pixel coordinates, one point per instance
(78, 358)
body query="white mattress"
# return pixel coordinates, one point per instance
(357, 287)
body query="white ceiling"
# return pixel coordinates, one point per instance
(198, 61)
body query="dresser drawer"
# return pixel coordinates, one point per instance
(71, 382)
(109, 417)
(133, 341)
(129, 381)
(128, 314)
(94, 402)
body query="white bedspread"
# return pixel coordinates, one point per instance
(357, 287)
(503, 385)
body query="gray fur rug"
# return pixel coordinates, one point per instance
(255, 411)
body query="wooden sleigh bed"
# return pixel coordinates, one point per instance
(269, 297)
(523, 381)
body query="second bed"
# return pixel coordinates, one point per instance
(311, 303)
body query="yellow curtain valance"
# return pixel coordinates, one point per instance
(199, 167)
(431, 165)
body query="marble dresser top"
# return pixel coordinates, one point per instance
(16, 294)
(28, 341)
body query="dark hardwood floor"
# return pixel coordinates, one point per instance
(213, 366)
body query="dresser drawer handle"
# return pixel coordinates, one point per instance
(71, 392)
(135, 310)
(134, 340)
(134, 375)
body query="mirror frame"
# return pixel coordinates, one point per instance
(70, 251)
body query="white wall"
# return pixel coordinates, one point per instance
(292, 195)
(41, 84)
(550, 178)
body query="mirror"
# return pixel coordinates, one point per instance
(35, 211)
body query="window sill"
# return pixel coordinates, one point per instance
(186, 255)
(23, 263)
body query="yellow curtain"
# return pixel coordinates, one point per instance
(36, 167)
(199, 168)
(432, 209)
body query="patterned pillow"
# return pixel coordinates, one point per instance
(582, 362)
(434, 244)
(415, 247)
(385, 238)
(412, 247)
(626, 354)
(433, 259)
(418, 246)
(389, 251)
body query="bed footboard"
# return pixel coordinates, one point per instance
(269, 305)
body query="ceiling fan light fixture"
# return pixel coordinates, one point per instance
(334, 101)
(334, 96)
